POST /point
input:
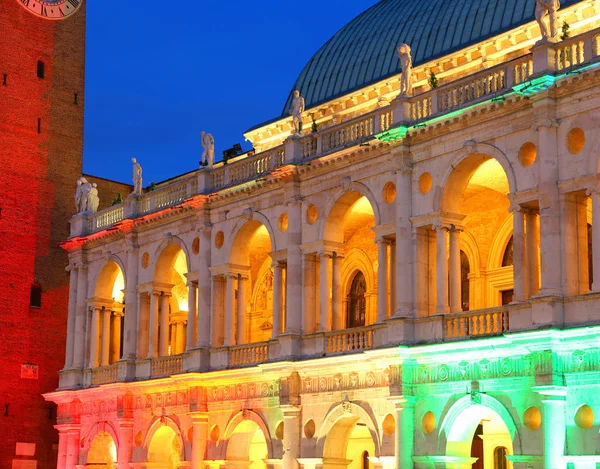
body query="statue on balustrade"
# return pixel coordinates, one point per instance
(93, 199)
(82, 195)
(296, 110)
(208, 144)
(137, 177)
(547, 9)
(406, 64)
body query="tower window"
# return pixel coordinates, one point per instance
(41, 69)
(35, 295)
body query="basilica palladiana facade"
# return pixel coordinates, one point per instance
(403, 273)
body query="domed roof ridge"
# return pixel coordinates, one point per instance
(364, 50)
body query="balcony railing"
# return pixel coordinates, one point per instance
(165, 366)
(250, 354)
(105, 218)
(104, 375)
(476, 324)
(350, 340)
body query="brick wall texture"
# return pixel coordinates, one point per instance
(41, 138)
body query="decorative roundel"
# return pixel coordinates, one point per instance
(52, 9)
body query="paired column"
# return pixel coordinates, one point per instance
(116, 337)
(95, 336)
(291, 437)
(309, 293)
(72, 453)
(405, 271)
(143, 324)
(153, 325)
(455, 271)
(133, 314)
(325, 292)
(533, 247)
(382, 275)
(204, 291)
(125, 447)
(277, 298)
(405, 427)
(241, 319)
(165, 298)
(71, 317)
(442, 269)
(192, 315)
(554, 424)
(105, 337)
(230, 310)
(520, 285)
(80, 318)
(199, 439)
(336, 292)
(218, 306)
(293, 305)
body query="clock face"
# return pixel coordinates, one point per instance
(52, 9)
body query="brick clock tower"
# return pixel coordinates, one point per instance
(42, 58)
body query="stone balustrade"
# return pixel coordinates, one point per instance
(477, 324)
(165, 366)
(250, 354)
(349, 340)
(105, 374)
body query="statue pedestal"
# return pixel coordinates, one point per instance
(292, 149)
(544, 59)
(401, 110)
(79, 224)
(204, 180)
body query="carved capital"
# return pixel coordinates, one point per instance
(546, 122)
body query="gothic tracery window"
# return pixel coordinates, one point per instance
(357, 304)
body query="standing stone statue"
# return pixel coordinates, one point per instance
(406, 64)
(547, 9)
(93, 199)
(84, 189)
(137, 177)
(78, 193)
(296, 110)
(208, 144)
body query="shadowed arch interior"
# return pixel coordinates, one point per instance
(110, 281)
(350, 211)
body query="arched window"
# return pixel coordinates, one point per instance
(365, 460)
(507, 258)
(35, 295)
(356, 302)
(500, 457)
(41, 69)
(465, 270)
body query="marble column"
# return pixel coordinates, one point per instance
(80, 318)
(179, 337)
(230, 310)
(199, 439)
(533, 252)
(455, 272)
(392, 279)
(217, 319)
(95, 337)
(277, 299)
(309, 293)
(549, 203)
(404, 267)
(205, 317)
(242, 320)
(325, 292)
(72, 456)
(291, 437)
(132, 309)
(192, 315)
(116, 337)
(520, 284)
(125, 447)
(63, 441)
(293, 291)
(105, 336)
(442, 270)
(595, 195)
(71, 315)
(153, 326)
(405, 429)
(554, 424)
(143, 324)
(382, 273)
(163, 342)
(337, 314)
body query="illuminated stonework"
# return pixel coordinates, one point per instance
(414, 285)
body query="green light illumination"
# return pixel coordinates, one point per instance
(527, 89)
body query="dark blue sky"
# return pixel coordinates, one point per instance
(159, 72)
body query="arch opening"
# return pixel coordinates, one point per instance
(165, 448)
(348, 443)
(102, 453)
(247, 443)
